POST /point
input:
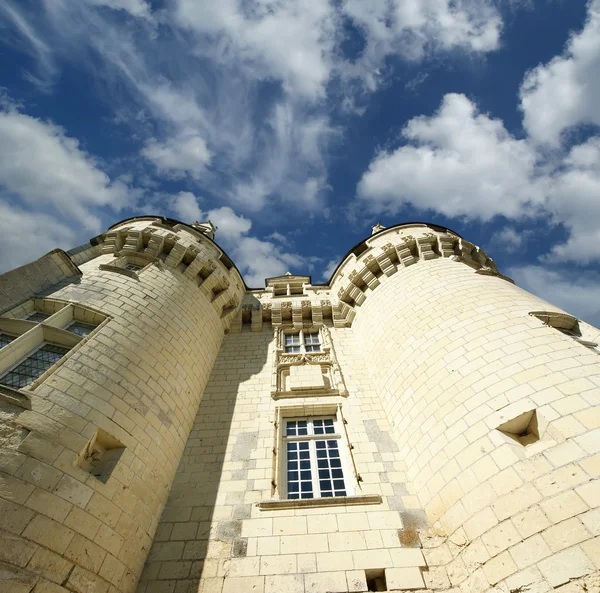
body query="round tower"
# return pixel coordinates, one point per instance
(493, 395)
(124, 349)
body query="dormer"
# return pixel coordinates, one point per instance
(287, 285)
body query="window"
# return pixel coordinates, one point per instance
(37, 316)
(80, 328)
(313, 464)
(5, 339)
(27, 351)
(33, 366)
(302, 341)
(132, 267)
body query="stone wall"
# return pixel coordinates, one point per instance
(214, 537)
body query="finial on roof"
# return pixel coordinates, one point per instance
(376, 228)
(288, 273)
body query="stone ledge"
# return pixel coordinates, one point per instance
(118, 270)
(14, 397)
(306, 503)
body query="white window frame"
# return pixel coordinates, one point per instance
(302, 345)
(311, 438)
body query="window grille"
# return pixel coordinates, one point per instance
(313, 462)
(34, 366)
(37, 316)
(5, 339)
(302, 341)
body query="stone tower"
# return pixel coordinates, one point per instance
(418, 423)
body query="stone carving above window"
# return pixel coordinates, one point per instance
(305, 364)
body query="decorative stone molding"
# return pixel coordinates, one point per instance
(294, 374)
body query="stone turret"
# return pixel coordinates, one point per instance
(92, 446)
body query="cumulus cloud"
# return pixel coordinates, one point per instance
(330, 267)
(570, 290)
(48, 171)
(413, 29)
(185, 205)
(26, 235)
(463, 163)
(459, 162)
(574, 200)
(566, 91)
(179, 155)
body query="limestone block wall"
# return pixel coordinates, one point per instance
(139, 378)
(214, 537)
(453, 353)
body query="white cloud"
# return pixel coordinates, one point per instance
(566, 91)
(185, 205)
(574, 200)
(263, 259)
(290, 41)
(179, 155)
(412, 29)
(230, 226)
(458, 162)
(34, 45)
(330, 267)
(48, 171)
(26, 235)
(137, 8)
(510, 239)
(572, 290)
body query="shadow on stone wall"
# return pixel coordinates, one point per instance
(216, 454)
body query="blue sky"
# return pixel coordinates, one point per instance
(294, 125)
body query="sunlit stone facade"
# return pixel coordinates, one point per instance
(418, 423)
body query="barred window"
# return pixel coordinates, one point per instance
(37, 316)
(302, 341)
(5, 339)
(313, 461)
(33, 366)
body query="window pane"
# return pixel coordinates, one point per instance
(330, 467)
(303, 429)
(318, 426)
(38, 317)
(311, 338)
(133, 267)
(5, 339)
(291, 430)
(292, 339)
(313, 348)
(299, 483)
(80, 328)
(33, 366)
(292, 349)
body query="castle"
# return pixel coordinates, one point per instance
(419, 422)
